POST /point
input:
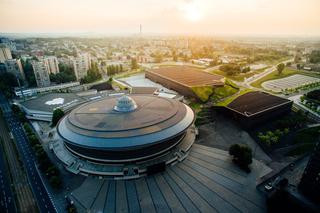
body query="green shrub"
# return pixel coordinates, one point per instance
(242, 155)
(57, 115)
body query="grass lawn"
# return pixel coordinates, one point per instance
(239, 77)
(203, 92)
(286, 73)
(114, 83)
(224, 92)
(216, 93)
(228, 100)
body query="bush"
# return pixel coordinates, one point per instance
(271, 138)
(242, 156)
(28, 129)
(57, 115)
(203, 92)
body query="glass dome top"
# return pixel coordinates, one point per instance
(125, 104)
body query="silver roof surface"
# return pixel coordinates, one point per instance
(98, 125)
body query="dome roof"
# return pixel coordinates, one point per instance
(125, 104)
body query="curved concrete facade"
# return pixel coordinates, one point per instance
(98, 132)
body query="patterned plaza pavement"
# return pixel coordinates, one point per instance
(206, 181)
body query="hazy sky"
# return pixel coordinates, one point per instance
(257, 17)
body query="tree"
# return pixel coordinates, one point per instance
(27, 128)
(57, 115)
(242, 155)
(93, 74)
(230, 69)
(66, 74)
(7, 82)
(280, 68)
(29, 73)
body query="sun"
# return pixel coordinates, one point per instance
(192, 12)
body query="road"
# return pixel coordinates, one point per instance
(7, 204)
(263, 74)
(24, 197)
(43, 198)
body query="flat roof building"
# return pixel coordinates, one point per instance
(42, 107)
(183, 78)
(254, 108)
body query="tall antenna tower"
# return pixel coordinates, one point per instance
(140, 29)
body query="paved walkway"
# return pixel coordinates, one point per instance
(222, 133)
(207, 181)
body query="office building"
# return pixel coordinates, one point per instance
(53, 64)
(81, 65)
(14, 66)
(5, 53)
(41, 72)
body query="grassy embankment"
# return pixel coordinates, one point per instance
(228, 100)
(206, 92)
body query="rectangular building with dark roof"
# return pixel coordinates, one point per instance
(254, 108)
(183, 78)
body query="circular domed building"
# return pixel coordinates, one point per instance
(136, 131)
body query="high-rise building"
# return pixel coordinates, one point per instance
(53, 64)
(310, 181)
(41, 73)
(8, 43)
(5, 54)
(14, 66)
(81, 64)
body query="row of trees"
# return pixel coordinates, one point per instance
(234, 69)
(114, 69)
(93, 74)
(65, 75)
(28, 71)
(45, 164)
(134, 64)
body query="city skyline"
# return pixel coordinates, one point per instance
(191, 17)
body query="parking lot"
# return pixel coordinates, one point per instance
(290, 82)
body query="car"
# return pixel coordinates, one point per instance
(268, 187)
